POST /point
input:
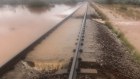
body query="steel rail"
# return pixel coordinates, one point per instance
(74, 66)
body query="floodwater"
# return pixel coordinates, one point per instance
(57, 49)
(21, 25)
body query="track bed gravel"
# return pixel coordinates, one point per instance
(114, 57)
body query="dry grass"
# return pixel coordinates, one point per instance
(127, 11)
(119, 34)
(124, 41)
(101, 14)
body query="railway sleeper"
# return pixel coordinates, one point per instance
(89, 65)
(87, 74)
(80, 50)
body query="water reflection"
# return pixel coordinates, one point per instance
(21, 25)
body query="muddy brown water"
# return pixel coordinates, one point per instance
(21, 25)
(57, 49)
(54, 52)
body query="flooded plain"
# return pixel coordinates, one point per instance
(58, 47)
(21, 25)
(55, 51)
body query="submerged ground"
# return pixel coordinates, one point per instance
(21, 25)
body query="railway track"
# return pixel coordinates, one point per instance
(78, 50)
(81, 68)
(78, 68)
